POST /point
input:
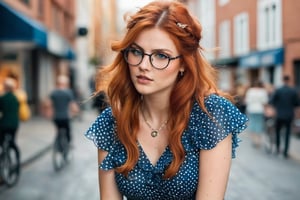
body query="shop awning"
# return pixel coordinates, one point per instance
(57, 45)
(228, 62)
(16, 27)
(71, 54)
(262, 58)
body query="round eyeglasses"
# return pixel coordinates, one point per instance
(158, 60)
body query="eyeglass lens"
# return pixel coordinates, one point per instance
(135, 56)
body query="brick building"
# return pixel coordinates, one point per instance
(257, 39)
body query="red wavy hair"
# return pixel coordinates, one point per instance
(198, 80)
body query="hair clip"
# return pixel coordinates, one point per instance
(180, 25)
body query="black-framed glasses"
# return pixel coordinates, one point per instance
(158, 60)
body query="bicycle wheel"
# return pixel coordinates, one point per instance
(60, 151)
(10, 166)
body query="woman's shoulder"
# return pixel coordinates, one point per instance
(102, 130)
(217, 108)
(214, 103)
(221, 118)
(215, 98)
(106, 119)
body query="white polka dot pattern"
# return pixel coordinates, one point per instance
(145, 180)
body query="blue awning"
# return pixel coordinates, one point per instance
(18, 27)
(262, 58)
(59, 46)
(71, 54)
(226, 62)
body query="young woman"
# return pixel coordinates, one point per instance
(169, 133)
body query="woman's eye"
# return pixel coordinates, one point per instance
(136, 52)
(161, 56)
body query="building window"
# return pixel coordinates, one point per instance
(223, 2)
(269, 24)
(206, 13)
(224, 39)
(241, 34)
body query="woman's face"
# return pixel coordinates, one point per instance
(147, 79)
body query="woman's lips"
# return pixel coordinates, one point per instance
(143, 79)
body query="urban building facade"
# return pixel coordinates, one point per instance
(93, 50)
(37, 43)
(255, 40)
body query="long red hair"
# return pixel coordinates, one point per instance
(198, 80)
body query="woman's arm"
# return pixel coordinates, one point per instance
(107, 184)
(214, 169)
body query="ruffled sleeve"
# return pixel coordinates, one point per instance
(102, 131)
(207, 131)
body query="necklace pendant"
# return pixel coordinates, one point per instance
(154, 133)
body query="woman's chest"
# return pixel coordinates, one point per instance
(146, 181)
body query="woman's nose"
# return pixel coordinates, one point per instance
(146, 64)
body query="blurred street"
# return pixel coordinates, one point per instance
(255, 174)
(38, 180)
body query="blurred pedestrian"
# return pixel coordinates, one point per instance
(9, 113)
(24, 108)
(284, 99)
(256, 99)
(239, 94)
(169, 132)
(63, 105)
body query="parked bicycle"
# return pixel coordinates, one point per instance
(61, 150)
(9, 162)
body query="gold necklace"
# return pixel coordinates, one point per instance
(154, 132)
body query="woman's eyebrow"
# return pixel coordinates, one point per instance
(164, 50)
(153, 50)
(136, 45)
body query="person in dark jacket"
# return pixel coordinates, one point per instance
(284, 100)
(9, 112)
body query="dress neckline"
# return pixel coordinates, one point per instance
(145, 156)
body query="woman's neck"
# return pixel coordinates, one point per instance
(156, 110)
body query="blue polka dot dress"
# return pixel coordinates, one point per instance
(144, 181)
